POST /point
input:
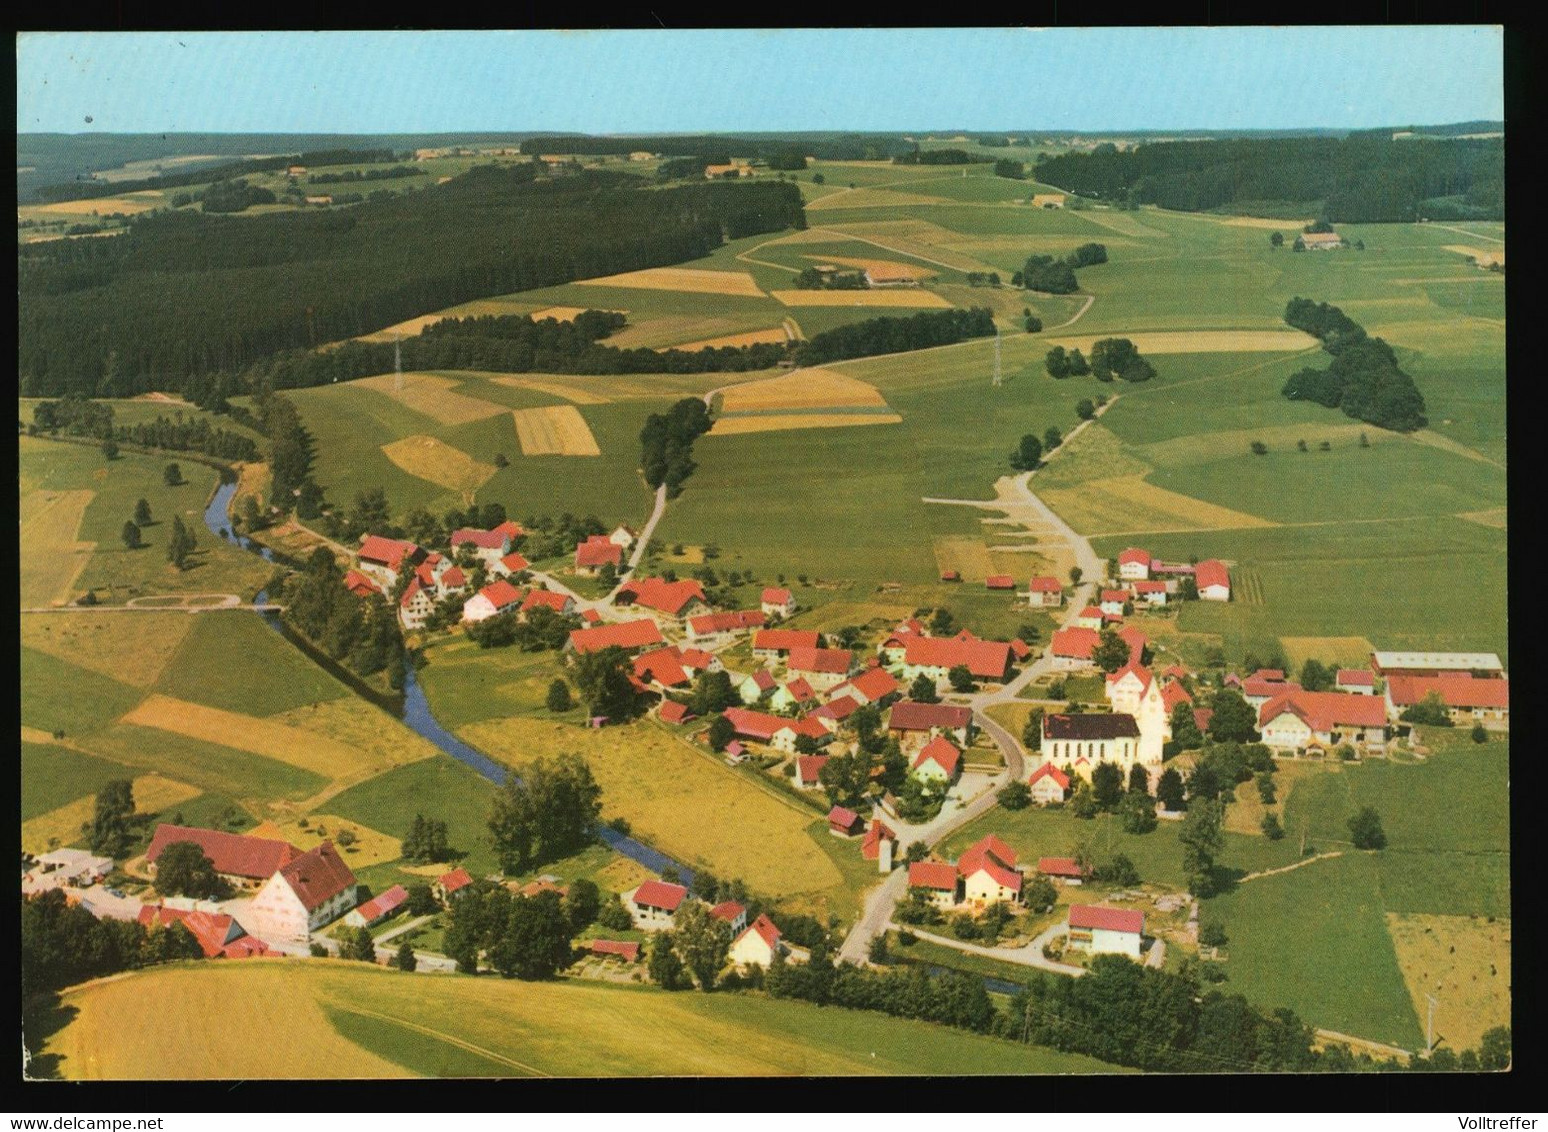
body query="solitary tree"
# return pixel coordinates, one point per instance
(1233, 717)
(1107, 785)
(108, 833)
(184, 870)
(131, 535)
(406, 960)
(1137, 813)
(559, 696)
(1076, 573)
(1202, 840)
(110, 449)
(172, 475)
(1051, 438)
(1169, 789)
(1365, 829)
(142, 513)
(1015, 795)
(357, 944)
(1084, 409)
(922, 690)
(721, 732)
(1277, 239)
(1111, 652)
(1027, 454)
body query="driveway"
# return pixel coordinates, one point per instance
(1030, 955)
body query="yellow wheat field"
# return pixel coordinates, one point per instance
(922, 239)
(879, 268)
(133, 650)
(293, 745)
(1481, 256)
(431, 395)
(1129, 504)
(361, 726)
(370, 847)
(909, 297)
(1199, 341)
(51, 556)
(100, 206)
(966, 554)
(1348, 652)
(783, 421)
(435, 460)
(801, 389)
(1494, 517)
(1464, 961)
(555, 389)
(1291, 226)
(682, 279)
(554, 430)
(750, 338)
(405, 329)
(152, 794)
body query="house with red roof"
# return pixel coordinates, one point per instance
(808, 768)
(378, 908)
(1113, 601)
(935, 880)
(383, 559)
(1305, 721)
(513, 563)
(844, 823)
(486, 546)
(309, 893)
(1213, 580)
(547, 599)
(695, 661)
(219, 936)
(913, 722)
(814, 729)
(541, 885)
(777, 602)
(627, 950)
(1259, 689)
(735, 753)
(1045, 592)
(989, 873)
(1063, 870)
(1172, 694)
(821, 668)
(1151, 592)
(653, 904)
(491, 601)
(871, 686)
(940, 760)
(714, 629)
(880, 845)
(1133, 564)
(1019, 648)
(770, 643)
(663, 599)
(951, 575)
(1201, 718)
(674, 712)
(1137, 642)
(1355, 681)
(755, 687)
(758, 726)
(1048, 784)
(1106, 931)
(1090, 617)
(1071, 647)
(416, 604)
(757, 946)
(1467, 698)
(631, 636)
(837, 710)
(661, 667)
(595, 553)
(591, 616)
(793, 694)
(448, 885)
(360, 585)
(731, 913)
(999, 582)
(935, 657)
(245, 862)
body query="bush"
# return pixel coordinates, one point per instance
(1212, 933)
(1480, 733)
(1365, 830)
(1015, 796)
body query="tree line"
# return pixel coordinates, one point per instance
(350, 176)
(1057, 276)
(361, 632)
(666, 443)
(185, 294)
(829, 147)
(76, 416)
(1360, 178)
(86, 190)
(892, 335)
(940, 157)
(1364, 379)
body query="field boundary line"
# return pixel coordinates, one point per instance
(1292, 867)
(351, 1008)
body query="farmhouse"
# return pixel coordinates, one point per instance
(660, 598)
(661, 666)
(512, 563)
(1048, 784)
(1265, 685)
(695, 661)
(822, 668)
(756, 725)
(757, 946)
(1356, 681)
(871, 686)
(989, 873)
(935, 657)
(1106, 931)
(245, 862)
(1071, 648)
(1305, 721)
(487, 546)
(1045, 592)
(1320, 241)
(778, 602)
(936, 880)
(892, 648)
(938, 760)
(417, 603)
(1152, 592)
(756, 686)
(837, 709)
(1481, 665)
(308, 893)
(449, 885)
(548, 599)
(770, 643)
(1091, 617)
(1468, 700)
(714, 629)
(1113, 601)
(491, 601)
(595, 553)
(911, 721)
(796, 693)
(730, 912)
(674, 712)
(1079, 742)
(653, 905)
(808, 769)
(630, 636)
(1213, 580)
(1134, 565)
(377, 909)
(383, 558)
(360, 585)
(814, 729)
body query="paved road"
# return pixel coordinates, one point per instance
(229, 601)
(1030, 955)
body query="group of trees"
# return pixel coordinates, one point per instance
(545, 813)
(291, 452)
(181, 543)
(232, 292)
(939, 157)
(667, 443)
(1057, 276)
(537, 630)
(896, 335)
(77, 190)
(362, 632)
(811, 279)
(63, 943)
(1117, 357)
(1363, 380)
(351, 176)
(1008, 167)
(135, 524)
(183, 869)
(427, 841)
(1366, 178)
(235, 195)
(525, 937)
(1061, 363)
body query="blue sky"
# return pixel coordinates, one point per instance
(680, 81)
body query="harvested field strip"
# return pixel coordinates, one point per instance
(1122, 223)
(918, 238)
(291, 745)
(692, 279)
(100, 206)
(819, 410)
(1462, 960)
(432, 459)
(908, 297)
(1265, 223)
(731, 426)
(405, 329)
(152, 794)
(963, 553)
(1140, 505)
(1494, 517)
(1199, 341)
(425, 393)
(134, 650)
(750, 338)
(801, 389)
(1352, 652)
(584, 390)
(879, 268)
(872, 198)
(52, 557)
(1446, 444)
(555, 430)
(1481, 256)
(1204, 447)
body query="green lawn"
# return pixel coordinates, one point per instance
(226, 770)
(59, 696)
(55, 776)
(238, 663)
(440, 788)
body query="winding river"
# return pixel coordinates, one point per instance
(416, 711)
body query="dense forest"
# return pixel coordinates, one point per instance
(1360, 178)
(1364, 379)
(184, 295)
(895, 335)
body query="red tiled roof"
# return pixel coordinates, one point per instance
(932, 874)
(662, 666)
(510, 529)
(1048, 770)
(598, 553)
(500, 594)
(555, 601)
(984, 659)
(906, 715)
(827, 661)
(726, 622)
(874, 683)
(245, 947)
(1149, 586)
(484, 540)
(1091, 611)
(540, 886)
(1141, 673)
(411, 591)
(213, 930)
(838, 709)
(984, 857)
(811, 727)
(256, 858)
(625, 634)
(1323, 711)
(1455, 691)
(875, 834)
(627, 951)
(1211, 572)
(727, 910)
(755, 724)
(764, 679)
(454, 578)
(1000, 582)
(785, 639)
(515, 562)
(1019, 648)
(841, 818)
(1173, 694)
(660, 894)
(1119, 596)
(1254, 686)
(454, 880)
(992, 844)
(1076, 641)
(1045, 584)
(659, 594)
(1202, 716)
(318, 875)
(1060, 867)
(1355, 677)
(1133, 554)
(775, 596)
(800, 691)
(950, 576)
(808, 767)
(383, 905)
(674, 712)
(590, 616)
(765, 929)
(942, 752)
(1176, 672)
(387, 551)
(359, 585)
(1268, 674)
(1107, 919)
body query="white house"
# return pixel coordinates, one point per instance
(936, 880)
(378, 908)
(383, 558)
(1304, 721)
(489, 547)
(756, 686)
(494, 599)
(1134, 565)
(1152, 592)
(1106, 931)
(1045, 593)
(938, 760)
(757, 945)
(1213, 580)
(654, 904)
(307, 894)
(785, 738)
(777, 602)
(622, 536)
(989, 873)
(1048, 784)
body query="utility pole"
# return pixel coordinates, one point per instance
(997, 378)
